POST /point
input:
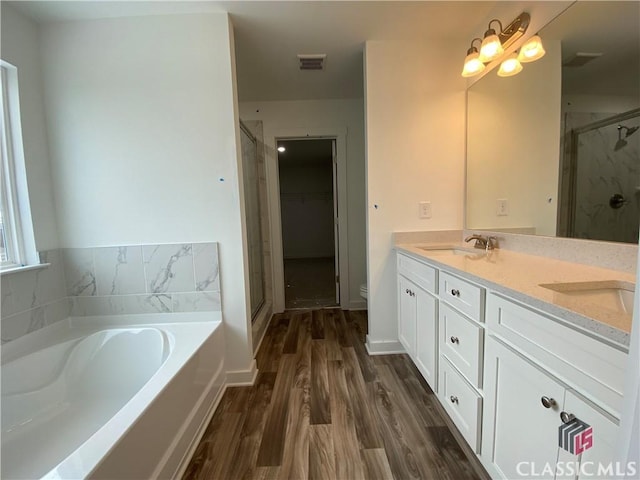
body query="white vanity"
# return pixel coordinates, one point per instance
(508, 357)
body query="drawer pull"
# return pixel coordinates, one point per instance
(567, 417)
(455, 292)
(453, 399)
(455, 340)
(548, 402)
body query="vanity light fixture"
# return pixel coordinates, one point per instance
(281, 149)
(509, 67)
(532, 50)
(491, 47)
(472, 63)
(494, 44)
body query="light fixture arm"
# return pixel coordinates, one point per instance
(472, 48)
(491, 29)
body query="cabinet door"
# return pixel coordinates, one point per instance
(519, 433)
(427, 337)
(598, 460)
(407, 315)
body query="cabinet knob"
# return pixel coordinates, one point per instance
(453, 399)
(567, 417)
(406, 290)
(455, 340)
(547, 402)
(455, 293)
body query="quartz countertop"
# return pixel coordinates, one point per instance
(519, 276)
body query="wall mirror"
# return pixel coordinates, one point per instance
(554, 150)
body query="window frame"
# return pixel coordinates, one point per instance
(17, 223)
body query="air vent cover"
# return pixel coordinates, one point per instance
(312, 61)
(580, 58)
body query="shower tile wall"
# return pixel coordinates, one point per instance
(602, 171)
(570, 121)
(110, 280)
(143, 279)
(35, 298)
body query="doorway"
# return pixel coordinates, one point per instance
(308, 210)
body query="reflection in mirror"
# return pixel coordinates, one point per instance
(554, 150)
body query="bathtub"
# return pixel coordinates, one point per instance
(110, 397)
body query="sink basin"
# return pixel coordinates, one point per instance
(451, 250)
(611, 294)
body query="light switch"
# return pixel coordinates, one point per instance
(424, 209)
(502, 207)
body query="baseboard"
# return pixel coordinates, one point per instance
(358, 305)
(383, 347)
(241, 378)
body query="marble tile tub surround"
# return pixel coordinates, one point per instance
(35, 298)
(181, 277)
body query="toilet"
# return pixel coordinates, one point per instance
(363, 291)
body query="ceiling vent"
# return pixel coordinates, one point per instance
(312, 62)
(580, 58)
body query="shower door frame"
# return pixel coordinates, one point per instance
(573, 161)
(255, 310)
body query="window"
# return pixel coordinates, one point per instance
(17, 242)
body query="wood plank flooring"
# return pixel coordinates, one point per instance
(323, 409)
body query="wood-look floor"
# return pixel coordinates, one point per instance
(321, 408)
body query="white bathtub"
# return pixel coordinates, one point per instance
(109, 397)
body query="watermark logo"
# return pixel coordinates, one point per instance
(583, 469)
(575, 436)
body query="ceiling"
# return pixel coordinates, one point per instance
(269, 35)
(608, 27)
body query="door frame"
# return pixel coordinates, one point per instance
(339, 134)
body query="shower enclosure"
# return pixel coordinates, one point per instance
(252, 214)
(604, 182)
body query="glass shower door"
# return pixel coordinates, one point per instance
(252, 212)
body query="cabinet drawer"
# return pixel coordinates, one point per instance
(465, 296)
(461, 340)
(421, 274)
(573, 356)
(462, 403)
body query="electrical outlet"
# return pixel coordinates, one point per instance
(424, 209)
(502, 207)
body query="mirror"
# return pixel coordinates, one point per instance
(554, 150)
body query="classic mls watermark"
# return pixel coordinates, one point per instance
(575, 436)
(584, 469)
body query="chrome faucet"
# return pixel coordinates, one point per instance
(488, 243)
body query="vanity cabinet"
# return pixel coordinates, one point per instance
(522, 418)
(408, 313)
(417, 319)
(506, 370)
(461, 340)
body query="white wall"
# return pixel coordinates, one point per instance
(415, 135)
(325, 114)
(598, 103)
(20, 47)
(144, 138)
(513, 147)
